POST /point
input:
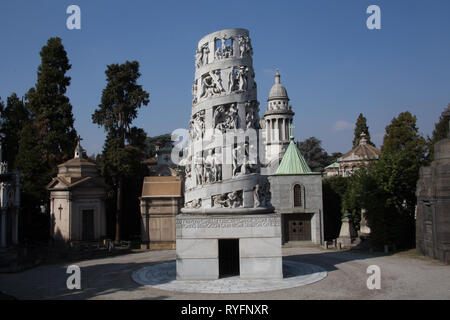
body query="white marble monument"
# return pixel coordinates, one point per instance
(227, 225)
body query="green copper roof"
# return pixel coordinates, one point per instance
(333, 165)
(293, 161)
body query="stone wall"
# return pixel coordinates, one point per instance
(259, 245)
(433, 205)
(282, 198)
(158, 222)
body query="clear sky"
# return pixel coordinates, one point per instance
(332, 65)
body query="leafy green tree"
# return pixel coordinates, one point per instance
(355, 196)
(13, 119)
(33, 180)
(152, 143)
(137, 137)
(316, 157)
(361, 127)
(333, 157)
(440, 131)
(390, 191)
(121, 99)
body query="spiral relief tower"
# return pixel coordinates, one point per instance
(227, 225)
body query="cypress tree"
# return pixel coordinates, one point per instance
(50, 107)
(50, 137)
(361, 127)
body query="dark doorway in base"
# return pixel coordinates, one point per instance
(228, 257)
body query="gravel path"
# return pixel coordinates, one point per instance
(403, 276)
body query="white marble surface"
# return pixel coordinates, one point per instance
(163, 276)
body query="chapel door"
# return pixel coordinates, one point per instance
(299, 228)
(88, 225)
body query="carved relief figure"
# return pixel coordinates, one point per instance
(218, 201)
(232, 81)
(253, 165)
(227, 51)
(245, 47)
(211, 84)
(234, 199)
(218, 54)
(199, 171)
(218, 116)
(209, 168)
(205, 52)
(186, 162)
(228, 200)
(256, 196)
(261, 195)
(197, 125)
(233, 116)
(194, 204)
(223, 51)
(194, 92)
(198, 58)
(207, 86)
(217, 165)
(226, 117)
(236, 155)
(247, 166)
(242, 78)
(217, 78)
(201, 56)
(251, 115)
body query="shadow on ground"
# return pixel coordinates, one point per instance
(330, 259)
(103, 279)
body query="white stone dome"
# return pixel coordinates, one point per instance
(278, 91)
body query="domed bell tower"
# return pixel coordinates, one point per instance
(277, 119)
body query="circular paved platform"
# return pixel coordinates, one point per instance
(163, 276)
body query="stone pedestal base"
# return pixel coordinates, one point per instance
(198, 238)
(345, 242)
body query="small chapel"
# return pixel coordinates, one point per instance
(361, 155)
(296, 191)
(77, 201)
(160, 201)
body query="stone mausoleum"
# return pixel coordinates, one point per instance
(433, 204)
(77, 201)
(228, 225)
(160, 202)
(296, 193)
